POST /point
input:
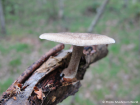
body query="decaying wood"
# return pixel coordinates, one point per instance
(26, 74)
(39, 62)
(44, 85)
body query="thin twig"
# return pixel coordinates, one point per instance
(24, 76)
(98, 16)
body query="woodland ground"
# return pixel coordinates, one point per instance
(116, 77)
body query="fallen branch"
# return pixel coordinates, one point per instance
(44, 86)
(39, 62)
(27, 73)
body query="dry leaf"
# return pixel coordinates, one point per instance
(40, 94)
(14, 98)
(53, 98)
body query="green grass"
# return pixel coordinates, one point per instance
(5, 84)
(117, 74)
(5, 48)
(137, 99)
(15, 62)
(20, 47)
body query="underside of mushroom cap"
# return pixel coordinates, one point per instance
(78, 39)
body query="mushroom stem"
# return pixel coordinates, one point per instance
(71, 71)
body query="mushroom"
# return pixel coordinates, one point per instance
(78, 40)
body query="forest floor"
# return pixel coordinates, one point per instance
(115, 78)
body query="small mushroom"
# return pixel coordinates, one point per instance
(78, 40)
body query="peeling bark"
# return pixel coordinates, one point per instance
(44, 85)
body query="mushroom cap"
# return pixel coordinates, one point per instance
(78, 39)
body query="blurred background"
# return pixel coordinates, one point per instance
(116, 77)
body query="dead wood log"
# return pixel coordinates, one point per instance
(26, 74)
(44, 85)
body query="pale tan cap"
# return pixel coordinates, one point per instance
(78, 39)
